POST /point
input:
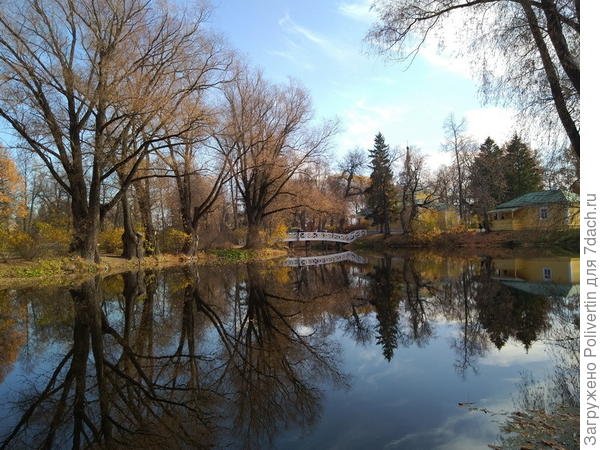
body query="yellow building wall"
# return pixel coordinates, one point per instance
(563, 269)
(528, 218)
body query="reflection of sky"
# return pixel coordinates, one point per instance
(412, 401)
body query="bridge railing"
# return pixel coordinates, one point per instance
(324, 259)
(324, 236)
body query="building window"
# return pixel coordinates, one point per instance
(543, 213)
(547, 274)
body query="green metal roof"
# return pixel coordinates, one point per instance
(540, 198)
(545, 289)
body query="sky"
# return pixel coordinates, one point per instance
(321, 44)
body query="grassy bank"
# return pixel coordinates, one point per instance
(72, 270)
(496, 242)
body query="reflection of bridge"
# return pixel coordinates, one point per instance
(324, 259)
(303, 236)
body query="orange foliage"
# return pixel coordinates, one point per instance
(11, 190)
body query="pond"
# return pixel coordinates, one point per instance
(412, 351)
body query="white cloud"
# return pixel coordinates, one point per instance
(361, 122)
(444, 59)
(497, 123)
(360, 11)
(333, 50)
(293, 58)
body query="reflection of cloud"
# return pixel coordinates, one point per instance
(514, 353)
(461, 432)
(360, 10)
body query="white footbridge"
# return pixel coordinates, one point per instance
(304, 236)
(324, 259)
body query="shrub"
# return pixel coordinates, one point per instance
(50, 239)
(278, 234)
(110, 240)
(174, 240)
(23, 244)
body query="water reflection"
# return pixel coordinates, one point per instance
(239, 356)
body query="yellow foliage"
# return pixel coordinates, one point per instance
(49, 234)
(15, 241)
(110, 240)
(174, 240)
(279, 232)
(11, 190)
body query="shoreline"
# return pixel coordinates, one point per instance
(70, 271)
(73, 270)
(472, 242)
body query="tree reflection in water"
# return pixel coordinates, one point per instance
(116, 387)
(232, 356)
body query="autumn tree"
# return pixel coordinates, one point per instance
(415, 191)
(190, 169)
(91, 87)
(381, 195)
(267, 140)
(11, 190)
(526, 52)
(460, 145)
(351, 166)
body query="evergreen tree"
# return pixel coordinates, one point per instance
(522, 169)
(386, 303)
(381, 195)
(487, 179)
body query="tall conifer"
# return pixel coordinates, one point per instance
(381, 195)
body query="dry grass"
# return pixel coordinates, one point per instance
(71, 271)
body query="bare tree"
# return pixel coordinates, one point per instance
(526, 52)
(350, 166)
(415, 192)
(91, 87)
(188, 168)
(268, 139)
(461, 145)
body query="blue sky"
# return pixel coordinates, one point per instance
(320, 43)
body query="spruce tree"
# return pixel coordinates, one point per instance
(522, 169)
(487, 179)
(381, 195)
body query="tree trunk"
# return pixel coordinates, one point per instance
(253, 239)
(190, 248)
(567, 61)
(553, 79)
(132, 245)
(86, 225)
(142, 190)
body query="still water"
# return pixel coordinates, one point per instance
(414, 351)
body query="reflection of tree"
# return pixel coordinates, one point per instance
(104, 394)
(274, 366)
(419, 327)
(157, 366)
(548, 409)
(12, 332)
(392, 285)
(456, 301)
(505, 312)
(385, 300)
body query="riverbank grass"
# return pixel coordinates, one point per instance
(563, 240)
(69, 270)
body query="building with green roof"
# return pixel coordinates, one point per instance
(544, 210)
